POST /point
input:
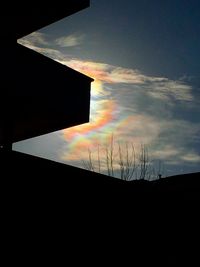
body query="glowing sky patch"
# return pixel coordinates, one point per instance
(99, 121)
(146, 72)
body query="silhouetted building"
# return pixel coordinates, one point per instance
(38, 94)
(49, 206)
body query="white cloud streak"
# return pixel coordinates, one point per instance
(171, 90)
(191, 157)
(156, 87)
(169, 137)
(160, 88)
(69, 41)
(34, 39)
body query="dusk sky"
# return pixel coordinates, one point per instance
(144, 58)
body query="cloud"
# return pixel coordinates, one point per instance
(171, 90)
(176, 142)
(34, 39)
(191, 157)
(101, 117)
(136, 107)
(160, 88)
(132, 129)
(130, 76)
(69, 41)
(156, 87)
(180, 132)
(110, 74)
(167, 152)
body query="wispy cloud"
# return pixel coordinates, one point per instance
(38, 39)
(111, 74)
(171, 90)
(160, 88)
(69, 41)
(156, 87)
(167, 152)
(191, 157)
(34, 39)
(136, 107)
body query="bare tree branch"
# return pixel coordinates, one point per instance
(130, 166)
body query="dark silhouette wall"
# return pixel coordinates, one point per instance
(38, 95)
(50, 96)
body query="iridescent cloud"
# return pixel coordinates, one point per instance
(69, 40)
(127, 103)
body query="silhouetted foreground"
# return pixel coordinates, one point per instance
(22, 18)
(50, 179)
(38, 95)
(51, 96)
(57, 213)
(55, 208)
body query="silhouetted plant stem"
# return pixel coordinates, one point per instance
(124, 160)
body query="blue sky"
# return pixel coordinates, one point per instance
(144, 57)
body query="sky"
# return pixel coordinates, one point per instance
(144, 58)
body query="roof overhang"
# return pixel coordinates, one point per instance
(39, 95)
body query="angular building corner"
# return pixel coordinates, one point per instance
(38, 95)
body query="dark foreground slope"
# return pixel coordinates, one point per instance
(52, 209)
(34, 174)
(38, 180)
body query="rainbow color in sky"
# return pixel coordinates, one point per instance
(126, 103)
(106, 116)
(103, 123)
